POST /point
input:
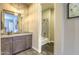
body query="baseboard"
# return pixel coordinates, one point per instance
(36, 49)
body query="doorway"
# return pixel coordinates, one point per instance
(47, 29)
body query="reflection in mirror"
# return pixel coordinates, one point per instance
(11, 23)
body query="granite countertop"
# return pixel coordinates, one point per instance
(19, 34)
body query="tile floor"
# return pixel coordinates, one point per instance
(47, 49)
(29, 52)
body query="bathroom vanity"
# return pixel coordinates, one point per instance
(13, 38)
(15, 43)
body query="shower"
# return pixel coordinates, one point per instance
(47, 29)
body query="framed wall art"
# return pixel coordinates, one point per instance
(72, 10)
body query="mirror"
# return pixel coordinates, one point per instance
(10, 22)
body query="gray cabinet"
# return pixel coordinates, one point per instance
(28, 41)
(13, 45)
(18, 44)
(6, 46)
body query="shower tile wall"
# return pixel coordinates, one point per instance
(45, 27)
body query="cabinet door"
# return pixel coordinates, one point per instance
(6, 46)
(18, 44)
(28, 41)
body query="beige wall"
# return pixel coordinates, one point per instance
(34, 18)
(52, 25)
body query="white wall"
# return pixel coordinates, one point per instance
(58, 29)
(69, 33)
(66, 32)
(71, 30)
(76, 40)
